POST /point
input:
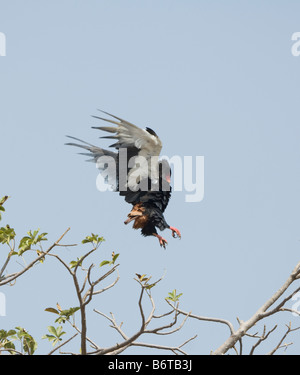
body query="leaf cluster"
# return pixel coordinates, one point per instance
(144, 281)
(55, 334)
(95, 239)
(7, 234)
(172, 296)
(7, 338)
(64, 315)
(32, 239)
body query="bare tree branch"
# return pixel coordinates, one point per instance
(204, 318)
(261, 313)
(263, 337)
(131, 341)
(278, 346)
(173, 349)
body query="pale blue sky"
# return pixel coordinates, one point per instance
(212, 78)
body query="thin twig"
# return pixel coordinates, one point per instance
(62, 344)
(204, 318)
(263, 337)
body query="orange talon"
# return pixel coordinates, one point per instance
(175, 232)
(162, 241)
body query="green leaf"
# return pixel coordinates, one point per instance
(58, 331)
(104, 262)
(52, 310)
(48, 337)
(110, 262)
(52, 330)
(9, 345)
(115, 257)
(2, 201)
(11, 332)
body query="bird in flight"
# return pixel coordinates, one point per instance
(136, 172)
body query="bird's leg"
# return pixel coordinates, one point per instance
(161, 240)
(175, 232)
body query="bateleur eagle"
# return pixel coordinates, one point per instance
(139, 175)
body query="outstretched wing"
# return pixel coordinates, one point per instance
(142, 144)
(94, 151)
(97, 154)
(129, 135)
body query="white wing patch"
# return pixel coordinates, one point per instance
(130, 135)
